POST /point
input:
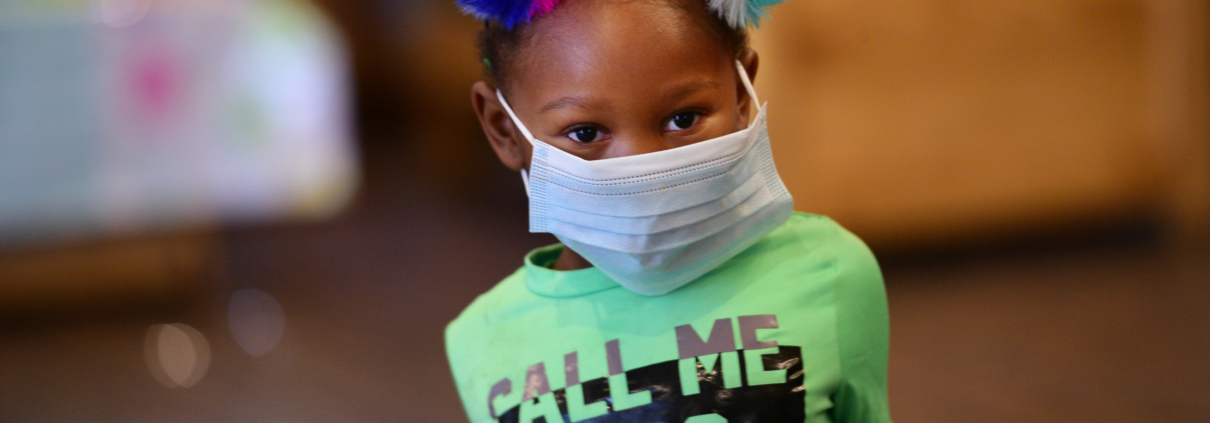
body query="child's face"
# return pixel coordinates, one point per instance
(607, 78)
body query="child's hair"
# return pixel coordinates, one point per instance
(498, 45)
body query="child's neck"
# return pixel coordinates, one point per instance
(570, 260)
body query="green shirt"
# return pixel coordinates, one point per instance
(792, 329)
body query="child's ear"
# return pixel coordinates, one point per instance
(750, 61)
(501, 133)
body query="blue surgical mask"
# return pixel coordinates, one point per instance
(657, 221)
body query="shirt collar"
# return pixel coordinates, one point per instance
(547, 282)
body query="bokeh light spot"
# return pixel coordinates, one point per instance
(119, 13)
(256, 319)
(178, 355)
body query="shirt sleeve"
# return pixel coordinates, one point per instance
(863, 332)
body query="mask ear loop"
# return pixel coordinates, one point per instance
(743, 77)
(524, 131)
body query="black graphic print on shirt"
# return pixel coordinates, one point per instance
(780, 402)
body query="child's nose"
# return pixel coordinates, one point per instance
(635, 145)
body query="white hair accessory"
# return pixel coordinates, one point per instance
(741, 13)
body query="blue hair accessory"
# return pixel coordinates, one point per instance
(509, 13)
(739, 14)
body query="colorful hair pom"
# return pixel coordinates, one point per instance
(741, 13)
(510, 13)
(544, 6)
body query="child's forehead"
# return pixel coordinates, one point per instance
(587, 37)
(621, 24)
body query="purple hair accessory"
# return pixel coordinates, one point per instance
(544, 6)
(509, 13)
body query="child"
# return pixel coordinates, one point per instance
(685, 289)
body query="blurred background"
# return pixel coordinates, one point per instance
(268, 210)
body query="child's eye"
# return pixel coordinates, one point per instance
(682, 121)
(586, 134)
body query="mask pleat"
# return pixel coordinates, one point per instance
(651, 225)
(667, 240)
(659, 272)
(649, 198)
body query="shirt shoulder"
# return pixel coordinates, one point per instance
(466, 335)
(858, 276)
(862, 320)
(478, 316)
(818, 237)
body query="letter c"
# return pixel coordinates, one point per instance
(503, 387)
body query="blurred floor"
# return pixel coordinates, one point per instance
(1112, 333)
(1103, 331)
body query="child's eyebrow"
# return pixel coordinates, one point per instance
(679, 90)
(565, 102)
(685, 88)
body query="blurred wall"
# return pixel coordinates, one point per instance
(414, 63)
(931, 122)
(131, 131)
